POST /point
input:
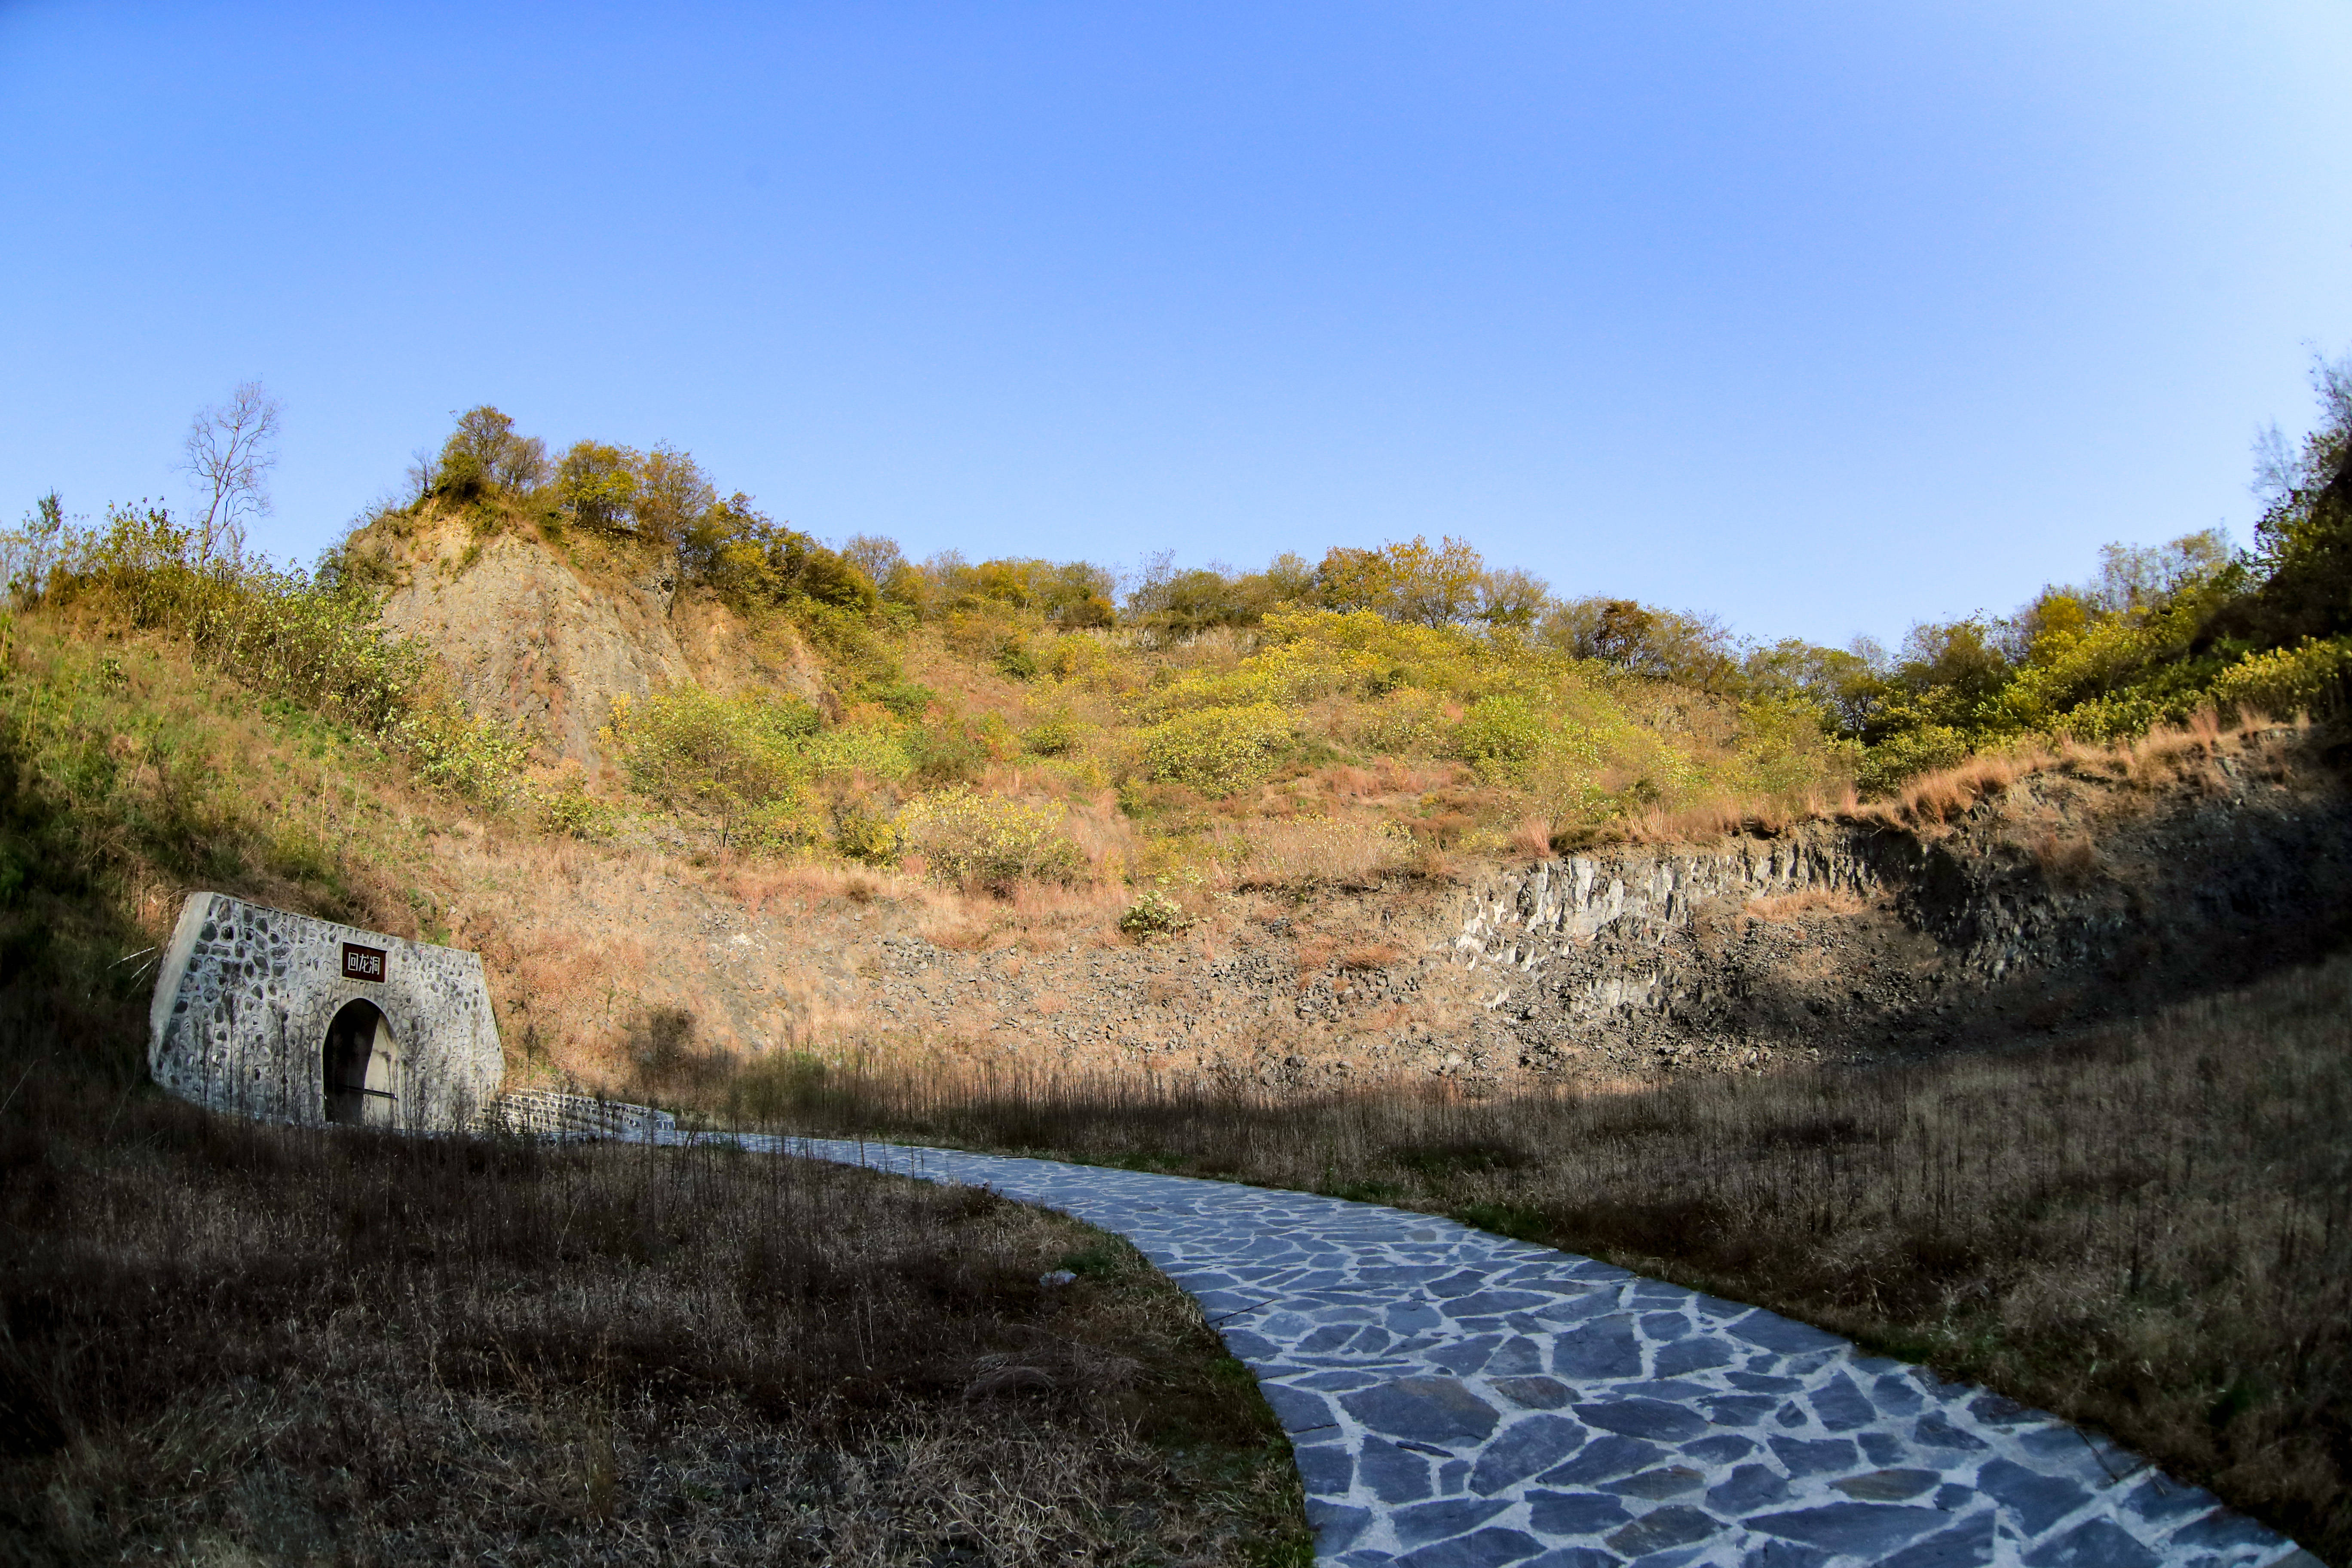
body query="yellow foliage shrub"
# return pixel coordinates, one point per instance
(859, 835)
(1502, 736)
(1909, 754)
(2284, 682)
(874, 750)
(1218, 751)
(1408, 722)
(988, 841)
(1088, 659)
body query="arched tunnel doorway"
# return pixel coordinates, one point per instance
(359, 1059)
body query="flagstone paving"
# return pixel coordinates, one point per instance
(1459, 1400)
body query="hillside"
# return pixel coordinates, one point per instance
(1341, 923)
(1263, 827)
(706, 791)
(801, 726)
(1172, 728)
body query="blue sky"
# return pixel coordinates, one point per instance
(1820, 317)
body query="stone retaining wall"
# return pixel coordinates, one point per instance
(551, 1113)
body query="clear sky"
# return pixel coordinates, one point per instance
(1821, 317)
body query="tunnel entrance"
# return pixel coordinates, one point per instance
(359, 1067)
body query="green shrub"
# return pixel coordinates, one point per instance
(1154, 914)
(858, 834)
(1054, 738)
(1501, 737)
(1090, 661)
(1218, 751)
(989, 841)
(1014, 659)
(2305, 678)
(736, 758)
(849, 639)
(785, 822)
(1886, 765)
(906, 698)
(868, 751)
(306, 639)
(1406, 724)
(572, 813)
(946, 753)
(479, 758)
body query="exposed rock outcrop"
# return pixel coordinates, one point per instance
(2064, 899)
(538, 635)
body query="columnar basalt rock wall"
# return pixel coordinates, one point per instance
(1618, 961)
(2059, 902)
(1523, 920)
(245, 996)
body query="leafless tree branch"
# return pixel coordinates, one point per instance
(231, 448)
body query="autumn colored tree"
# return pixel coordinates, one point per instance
(596, 486)
(1434, 585)
(1663, 645)
(1446, 583)
(486, 453)
(673, 494)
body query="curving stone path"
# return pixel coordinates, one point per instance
(1459, 1400)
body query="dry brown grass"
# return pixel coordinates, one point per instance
(2164, 756)
(237, 1344)
(1708, 821)
(1776, 907)
(2065, 860)
(1317, 852)
(759, 884)
(1932, 803)
(1105, 837)
(1353, 784)
(1405, 775)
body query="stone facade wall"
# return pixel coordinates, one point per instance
(245, 995)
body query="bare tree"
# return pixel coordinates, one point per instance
(231, 448)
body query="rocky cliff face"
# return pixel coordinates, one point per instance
(2066, 898)
(532, 632)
